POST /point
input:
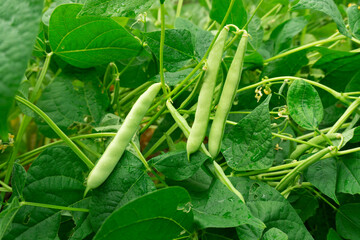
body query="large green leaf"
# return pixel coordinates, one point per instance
(165, 214)
(238, 15)
(201, 39)
(248, 145)
(115, 8)
(56, 177)
(305, 105)
(176, 166)
(68, 101)
(128, 181)
(271, 207)
(7, 215)
(326, 6)
(324, 169)
(354, 20)
(348, 221)
(19, 21)
(332, 235)
(348, 180)
(89, 41)
(178, 48)
(232, 212)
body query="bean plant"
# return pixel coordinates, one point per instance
(179, 119)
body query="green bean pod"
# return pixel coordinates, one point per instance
(198, 130)
(116, 148)
(227, 97)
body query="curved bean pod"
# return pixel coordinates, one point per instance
(227, 97)
(198, 130)
(116, 148)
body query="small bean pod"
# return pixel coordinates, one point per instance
(227, 97)
(198, 130)
(116, 148)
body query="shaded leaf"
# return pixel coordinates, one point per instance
(19, 21)
(348, 180)
(248, 145)
(348, 221)
(18, 180)
(7, 215)
(353, 13)
(275, 234)
(326, 6)
(324, 169)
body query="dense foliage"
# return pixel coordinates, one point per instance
(285, 164)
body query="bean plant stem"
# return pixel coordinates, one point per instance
(162, 43)
(345, 116)
(313, 44)
(41, 77)
(56, 129)
(179, 6)
(43, 205)
(253, 14)
(286, 181)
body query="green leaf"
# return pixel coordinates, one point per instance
(56, 177)
(89, 41)
(7, 215)
(68, 101)
(173, 78)
(326, 6)
(305, 105)
(354, 84)
(127, 182)
(348, 180)
(178, 48)
(286, 66)
(19, 21)
(332, 235)
(304, 203)
(176, 166)
(275, 234)
(201, 39)
(256, 32)
(248, 145)
(47, 14)
(348, 221)
(238, 15)
(285, 32)
(220, 208)
(165, 214)
(324, 169)
(82, 221)
(353, 13)
(115, 8)
(18, 180)
(271, 207)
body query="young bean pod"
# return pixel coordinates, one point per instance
(227, 97)
(198, 130)
(116, 148)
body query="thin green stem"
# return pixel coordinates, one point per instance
(179, 6)
(297, 140)
(345, 116)
(43, 205)
(141, 157)
(41, 77)
(275, 8)
(306, 46)
(57, 130)
(162, 44)
(287, 180)
(4, 190)
(87, 148)
(6, 186)
(325, 130)
(252, 16)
